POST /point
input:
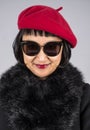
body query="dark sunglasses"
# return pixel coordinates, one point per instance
(32, 48)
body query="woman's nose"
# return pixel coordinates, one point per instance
(41, 55)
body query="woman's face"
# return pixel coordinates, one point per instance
(42, 65)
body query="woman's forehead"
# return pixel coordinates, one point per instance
(37, 32)
(39, 38)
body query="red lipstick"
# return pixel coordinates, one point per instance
(43, 66)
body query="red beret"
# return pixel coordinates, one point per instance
(45, 18)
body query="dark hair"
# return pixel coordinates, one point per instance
(66, 53)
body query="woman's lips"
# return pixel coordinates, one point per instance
(42, 66)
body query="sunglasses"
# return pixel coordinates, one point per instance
(32, 48)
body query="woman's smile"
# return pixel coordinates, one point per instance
(42, 66)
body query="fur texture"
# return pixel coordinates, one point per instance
(35, 104)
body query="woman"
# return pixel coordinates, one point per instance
(43, 91)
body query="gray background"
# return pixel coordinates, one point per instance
(76, 12)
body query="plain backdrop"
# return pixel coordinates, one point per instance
(76, 12)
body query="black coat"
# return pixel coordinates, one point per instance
(60, 102)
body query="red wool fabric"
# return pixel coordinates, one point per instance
(45, 18)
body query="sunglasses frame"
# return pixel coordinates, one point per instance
(39, 47)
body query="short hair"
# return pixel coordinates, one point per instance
(66, 52)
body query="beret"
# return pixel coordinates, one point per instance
(41, 17)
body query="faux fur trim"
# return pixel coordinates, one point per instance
(35, 104)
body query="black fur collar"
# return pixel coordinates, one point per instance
(35, 104)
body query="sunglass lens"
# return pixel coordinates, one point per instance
(52, 49)
(31, 48)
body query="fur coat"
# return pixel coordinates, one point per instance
(34, 104)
